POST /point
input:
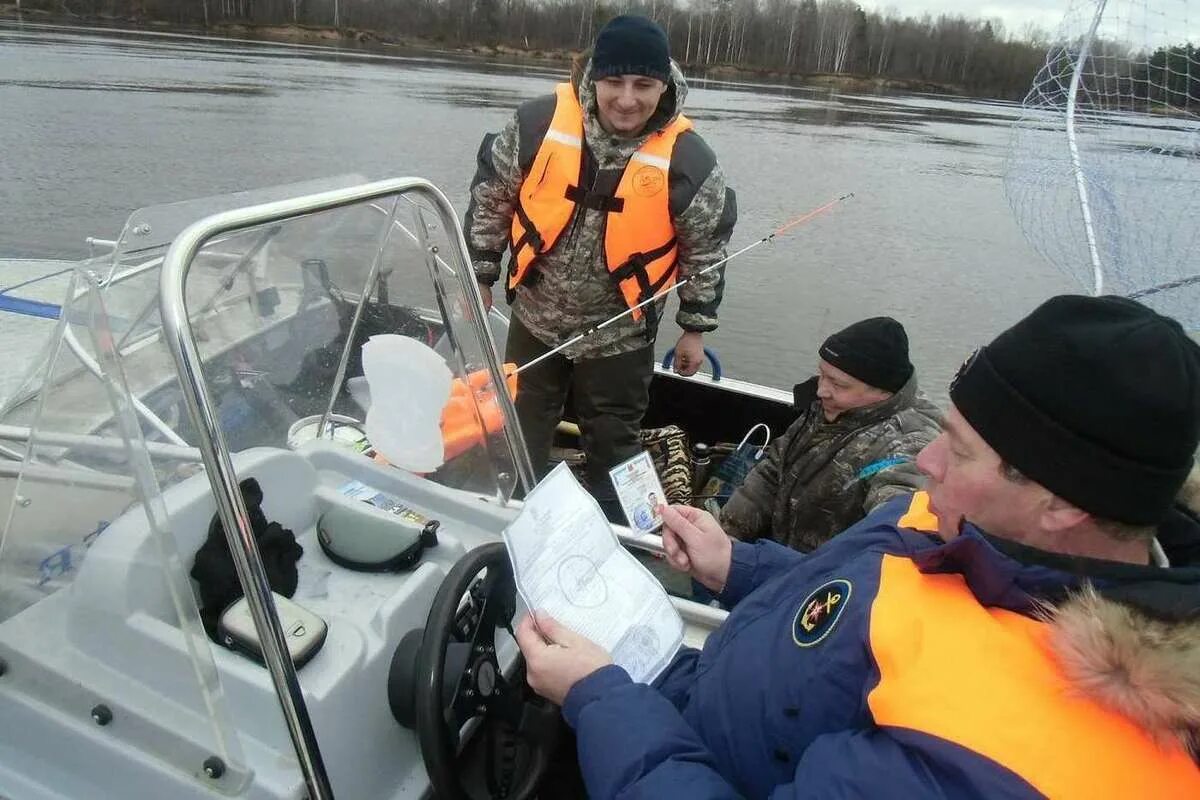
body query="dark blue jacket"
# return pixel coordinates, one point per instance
(776, 704)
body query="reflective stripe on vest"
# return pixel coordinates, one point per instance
(984, 679)
(639, 235)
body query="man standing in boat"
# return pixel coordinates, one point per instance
(604, 195)
(1014, 631)
(862, 423)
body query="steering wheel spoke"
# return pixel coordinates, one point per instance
(506, 703)
(464, 708)
(458, 676)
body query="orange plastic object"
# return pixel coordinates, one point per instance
(460, 428)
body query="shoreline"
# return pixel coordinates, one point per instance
(377, 41)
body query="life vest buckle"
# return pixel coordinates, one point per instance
(633, 265)
(597, 201)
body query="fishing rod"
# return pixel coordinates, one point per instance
(800, 220)
(1163, 287)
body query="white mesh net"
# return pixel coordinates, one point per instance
(1104, 168)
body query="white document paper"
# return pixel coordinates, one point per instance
(639, 492)
(568, 562)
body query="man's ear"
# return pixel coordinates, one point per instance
(1058, 515)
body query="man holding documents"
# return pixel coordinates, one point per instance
(1014, 631)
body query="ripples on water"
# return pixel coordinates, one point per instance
(95, 124)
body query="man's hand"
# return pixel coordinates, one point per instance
(689, 353)
(556, 657)
(485, 293)
(695, 544)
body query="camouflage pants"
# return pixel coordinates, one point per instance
(610, 394)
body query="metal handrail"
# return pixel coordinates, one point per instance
(470, 289)
(214, 451)
(466, 279)
(95, 444)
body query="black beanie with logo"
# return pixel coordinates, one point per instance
(1095, 398)
(873, 350)
(631, 45)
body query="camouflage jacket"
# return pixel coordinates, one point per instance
(819, 477)
(573, 290)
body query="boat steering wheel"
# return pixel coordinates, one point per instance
(447, 674)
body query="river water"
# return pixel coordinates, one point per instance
(94, 124)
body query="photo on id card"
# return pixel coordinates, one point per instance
(639, 492)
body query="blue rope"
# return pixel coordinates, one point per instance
(29, 308)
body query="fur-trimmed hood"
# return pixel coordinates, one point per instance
(1189, 495)
(1140, 653)
(1133, 661)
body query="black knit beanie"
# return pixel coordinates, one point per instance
(874, 350)
(631, 45)
(1095, 398)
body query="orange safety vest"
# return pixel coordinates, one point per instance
(639, 236)
(985, 679)
(461, 428)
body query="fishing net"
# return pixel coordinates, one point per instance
(1104, 167)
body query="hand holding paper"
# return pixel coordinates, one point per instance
(556, 657)
(568, 563)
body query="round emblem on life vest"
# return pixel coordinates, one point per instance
(819, 612)
(648, 181)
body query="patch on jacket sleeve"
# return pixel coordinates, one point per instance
(820, 612)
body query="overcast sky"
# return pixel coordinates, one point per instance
(1015, 14)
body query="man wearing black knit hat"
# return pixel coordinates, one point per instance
(1013, 631)
(603, 194)
(1040, 401)
(862, 423)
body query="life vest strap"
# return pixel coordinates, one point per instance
(595, 200)
(530, 235)
(635, 265)
(657, 286)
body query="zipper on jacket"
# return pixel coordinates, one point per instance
(581, 211)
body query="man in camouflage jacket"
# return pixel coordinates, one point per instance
(853, 447)
(571, 288)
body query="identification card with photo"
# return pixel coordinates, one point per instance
(639, 492)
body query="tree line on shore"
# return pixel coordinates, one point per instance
(776, 37)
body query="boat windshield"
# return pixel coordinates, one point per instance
(272, 309)
(283, 314)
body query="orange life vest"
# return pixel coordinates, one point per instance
(639, 236)
(460, 425)
(985, 679)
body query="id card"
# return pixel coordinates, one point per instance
(639, 492)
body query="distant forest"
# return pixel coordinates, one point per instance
(781, 37)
